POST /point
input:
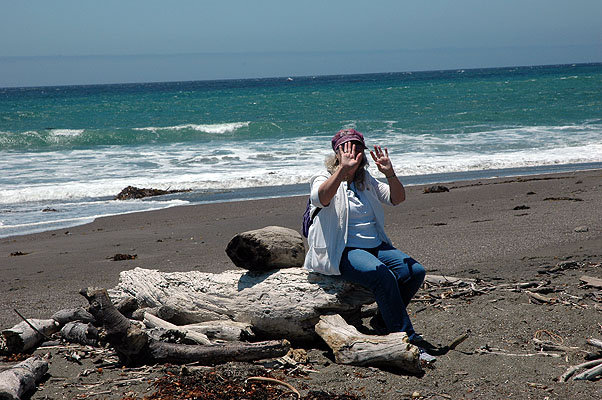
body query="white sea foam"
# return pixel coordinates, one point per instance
(78, 215)
(67, 132)
(211, 128)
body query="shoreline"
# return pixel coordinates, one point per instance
(200, 197)
(472, 229)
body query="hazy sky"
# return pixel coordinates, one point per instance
(75, 42)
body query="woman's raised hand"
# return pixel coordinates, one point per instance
(382, 160)
(349, 157)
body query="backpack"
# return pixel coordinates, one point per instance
(308, 217)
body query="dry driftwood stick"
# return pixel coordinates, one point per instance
(454, 343)
(31, 325)
(595, 342)
(540, 298)
(589, 374)
(352, 347)
(134, 346)
(550, 346)
(503, 353)
(22, 378)
(155, 322)
(446, 280)
(591, 281)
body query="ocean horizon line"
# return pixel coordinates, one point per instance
(272, 78)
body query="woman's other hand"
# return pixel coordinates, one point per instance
(382, 160)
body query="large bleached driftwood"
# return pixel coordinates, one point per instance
(22, 378)
(352, 347)
(136, 347)
(280, 304)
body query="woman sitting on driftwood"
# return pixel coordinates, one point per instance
(347, 236)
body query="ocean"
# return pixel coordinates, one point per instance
(65, 152)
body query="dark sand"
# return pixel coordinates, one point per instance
(472, 231)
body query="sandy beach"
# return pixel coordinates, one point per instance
(497, 230)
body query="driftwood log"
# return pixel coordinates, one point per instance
(222, 330)
(352, 347)
(72, 314)
(22, 337)
(591, 281)
(136, 347)
(22, 378)
(79, 332)
(152, 321)
(278, 304)
(272, 247)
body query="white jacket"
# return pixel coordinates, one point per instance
(327, 236)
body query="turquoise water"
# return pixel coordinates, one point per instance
(73, 148)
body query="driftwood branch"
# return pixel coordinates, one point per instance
(442, 280)
(134, 346)
(31, 325)
(230, 331)
(155, 322)
(571, 371)
(352, 347)
(22, 378)
(589, 374)
(492, 350)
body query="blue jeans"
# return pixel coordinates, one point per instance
(391, 275)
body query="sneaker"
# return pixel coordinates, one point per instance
(426, 357)
(419, 341)
(416, 339)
